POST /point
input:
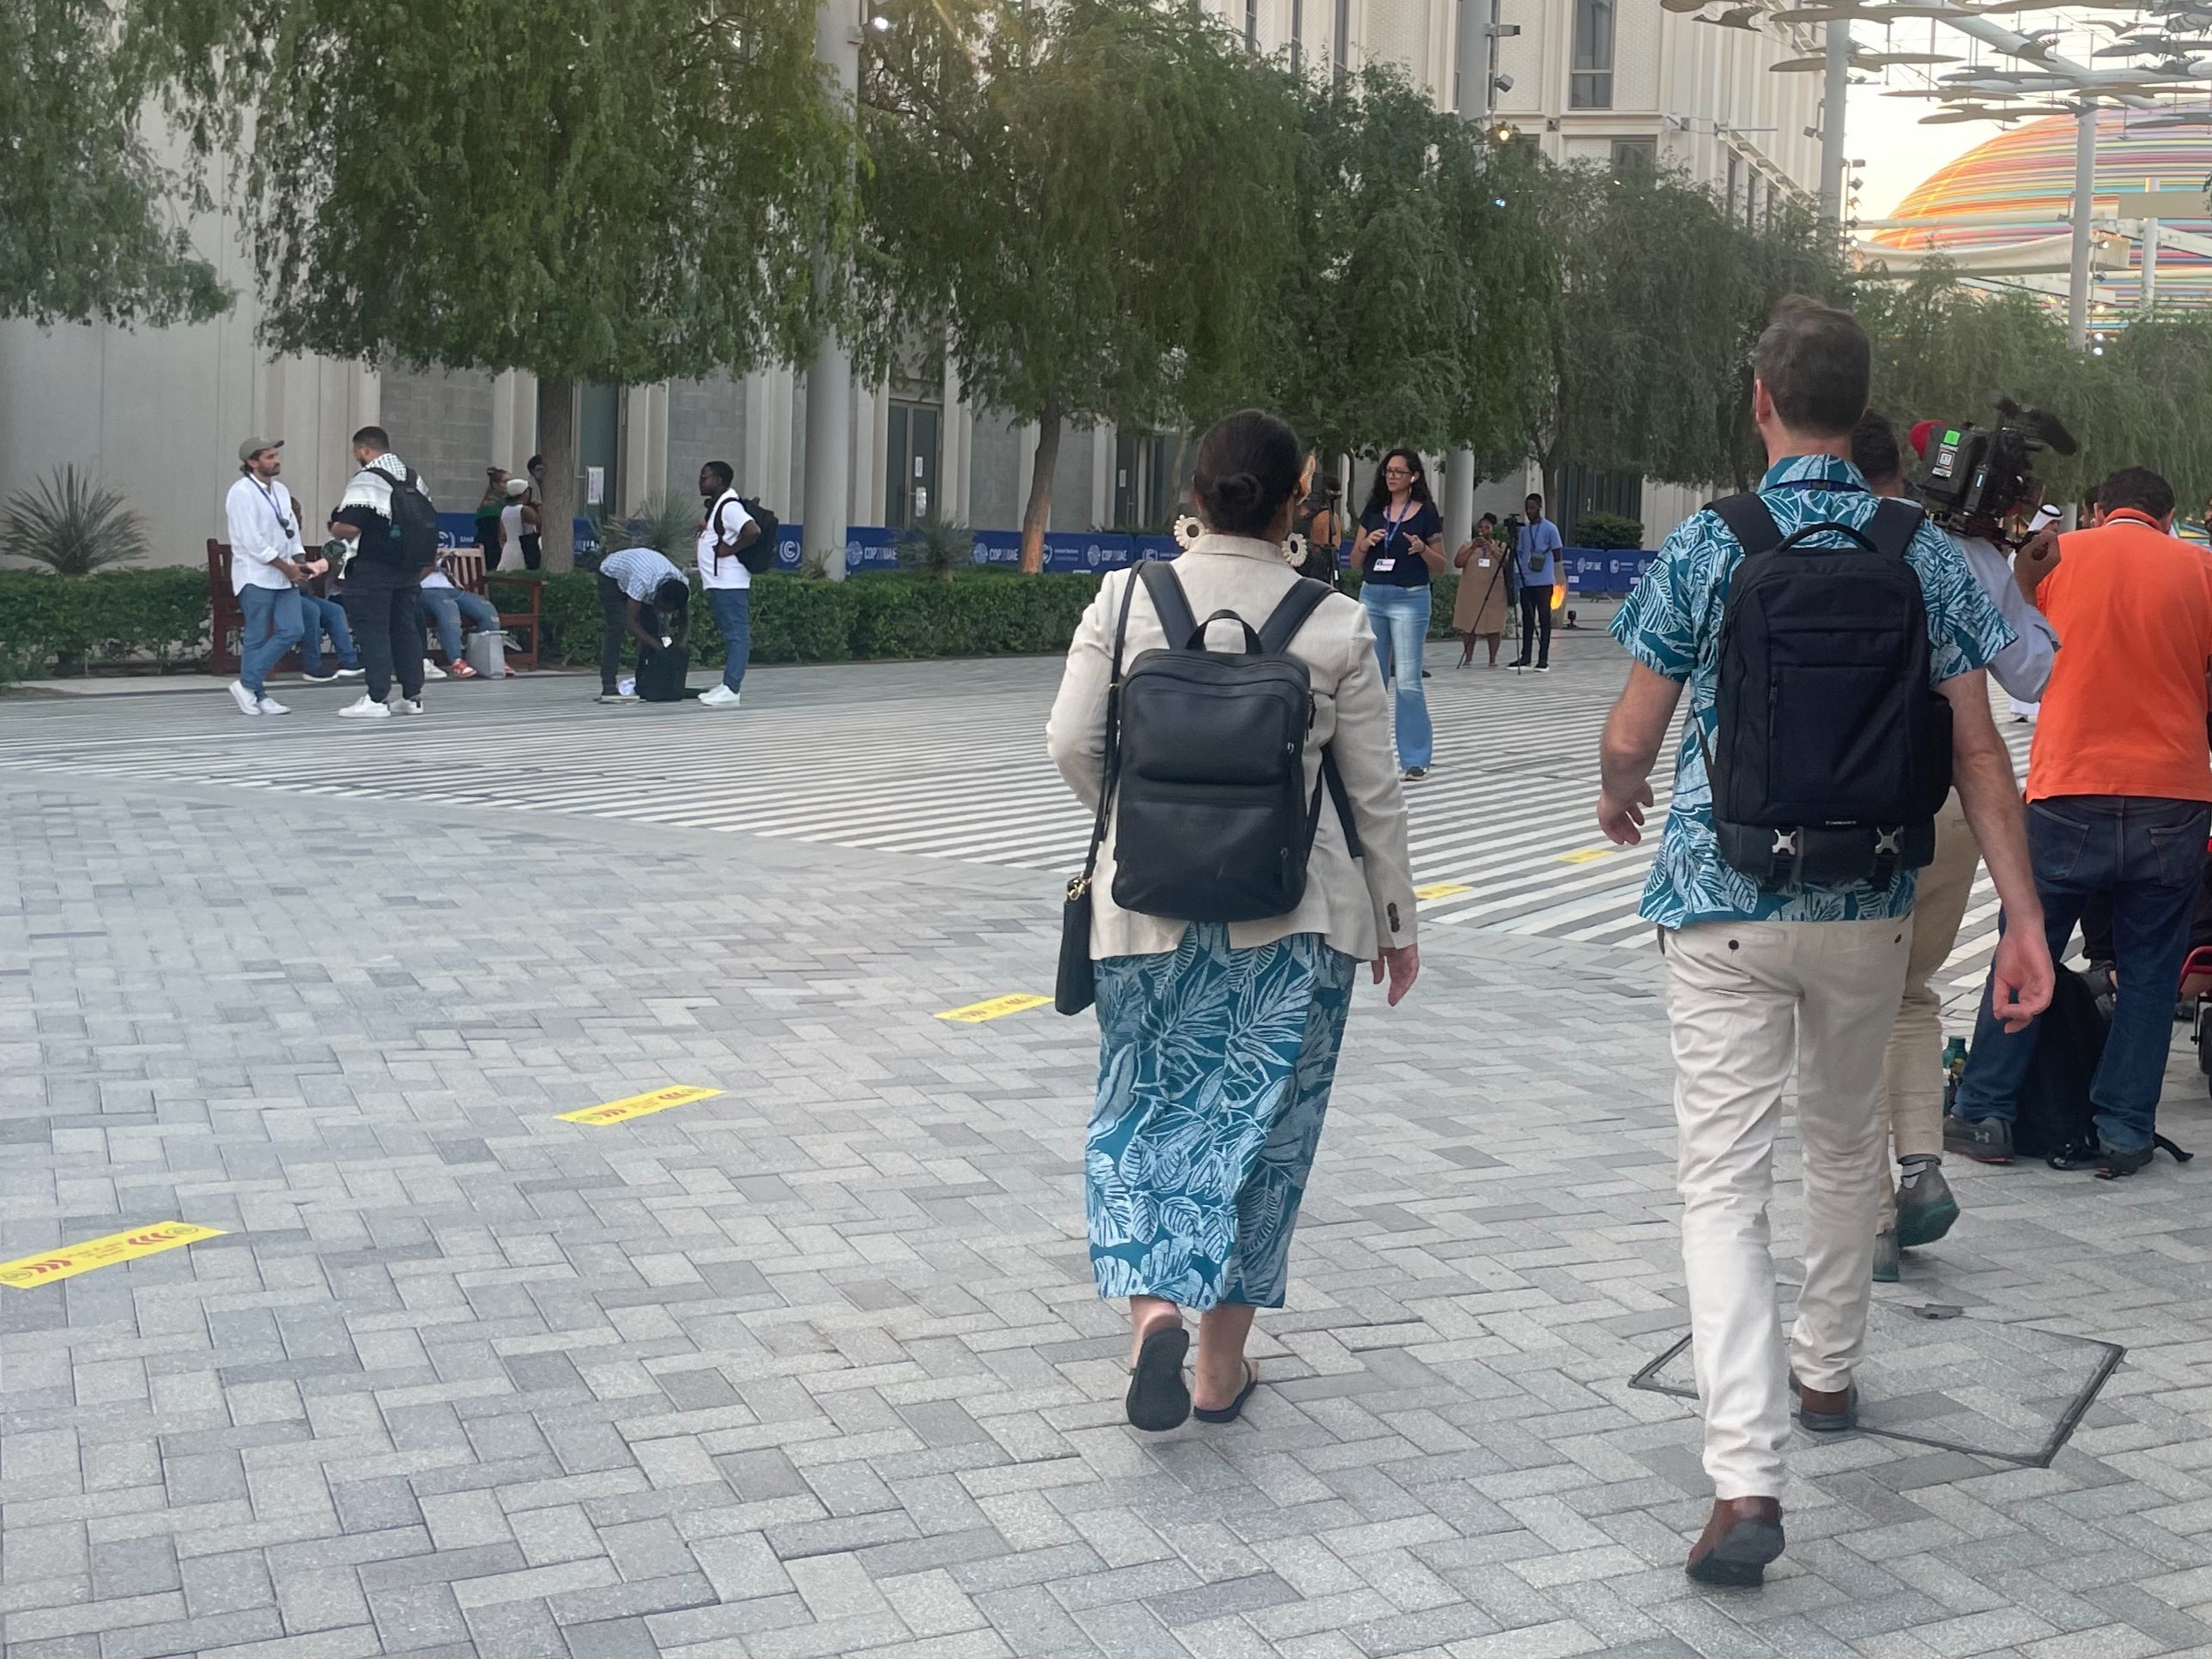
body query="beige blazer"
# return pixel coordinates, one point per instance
(1357, 905)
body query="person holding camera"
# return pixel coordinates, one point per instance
(1400, 546)
(2119, 796)
(1783, 891)
(1921, 1207)
(1543, 577)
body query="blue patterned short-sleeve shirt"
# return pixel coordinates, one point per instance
(1671, 624)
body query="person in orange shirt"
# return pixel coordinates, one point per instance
(2119, 795)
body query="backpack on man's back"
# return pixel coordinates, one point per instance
(411, 546)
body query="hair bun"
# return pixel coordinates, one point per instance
(1239, 492)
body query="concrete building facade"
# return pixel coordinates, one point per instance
(158, 413)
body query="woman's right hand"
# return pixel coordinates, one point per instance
(1402, 965)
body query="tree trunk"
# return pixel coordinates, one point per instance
(556, 443)
(1038, 513)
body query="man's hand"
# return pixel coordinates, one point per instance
(2020, 976)
(2037, 558)
(1402, 964)
(292, 572)
(1621, 818)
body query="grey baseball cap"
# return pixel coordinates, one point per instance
(254, 447)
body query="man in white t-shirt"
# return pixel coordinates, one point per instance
(265, 559)
(727, 528)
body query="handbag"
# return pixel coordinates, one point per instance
(1076, 986)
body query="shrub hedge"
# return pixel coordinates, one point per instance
(56, 624)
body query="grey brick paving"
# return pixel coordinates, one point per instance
(814, 1367)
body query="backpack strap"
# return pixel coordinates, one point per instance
(1165, 591)
(1749, 521)
(1285, 621)
(1895, 522)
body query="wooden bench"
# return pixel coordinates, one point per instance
(226, 620)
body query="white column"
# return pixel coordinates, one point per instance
(2085, 187)
(1459, 497)
(955, 446)
(1835, 84)
(1101, 473)
(2146, 288)
(644, 445)
(829, 488)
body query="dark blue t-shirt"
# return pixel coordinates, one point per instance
(1391, 563)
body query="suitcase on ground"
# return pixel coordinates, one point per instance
(486, 653)
(660, 677)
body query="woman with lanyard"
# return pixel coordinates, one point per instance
(1400, 545)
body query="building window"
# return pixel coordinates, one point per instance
(1634, 155)
(600, 412)
(1590, 85)
(1584, 490)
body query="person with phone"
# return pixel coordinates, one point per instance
(1400, 546)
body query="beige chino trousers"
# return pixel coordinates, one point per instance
(1747, 1002)
(1912, 1066)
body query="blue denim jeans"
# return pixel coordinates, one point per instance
(273, 626)
(1400, 617)
(2148, 854)
(733, 608)
(317, 616)
(446, 608)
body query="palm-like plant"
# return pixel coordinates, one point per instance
(935, 547)
(71, 526)
(668, 523)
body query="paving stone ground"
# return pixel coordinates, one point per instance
(814, 1367)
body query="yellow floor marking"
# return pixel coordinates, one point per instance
(1585, 855)
(614, 1112)
(1441, 890)
(29, 1272)
(976, 1013)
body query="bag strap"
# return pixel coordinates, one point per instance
(1290, 615)
(1749, 520)
(1895, 524)
(1165, 591)
(1112, 773)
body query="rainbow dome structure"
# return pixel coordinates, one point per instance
(2028, 172)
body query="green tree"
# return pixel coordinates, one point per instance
(87, 222)
(602, 189)
(1086, 203)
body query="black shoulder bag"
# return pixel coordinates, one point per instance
(1077, 987)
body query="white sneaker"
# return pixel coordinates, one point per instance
(351, 673)
(246, 702)
(718, 695)
(431, 670)
(270, 706)
(365, 709)
(407, 705)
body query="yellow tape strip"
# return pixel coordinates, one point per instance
(1585, 855)
(614, 1112)
(28, 1273)
(1442, 889)
(976, 1013)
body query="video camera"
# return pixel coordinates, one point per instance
(1973, 477)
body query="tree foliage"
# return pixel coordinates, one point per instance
(87, 225)
(590, 190)
(1086, 203)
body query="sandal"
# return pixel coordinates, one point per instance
(1157, 1400)
(461, 671)
(1235, 1408)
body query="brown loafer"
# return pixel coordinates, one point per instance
(1741, 1535)
(1825, 1411)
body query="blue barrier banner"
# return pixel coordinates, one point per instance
(1154, 547)
(998, 547)
(870, 547)
(1085, 553)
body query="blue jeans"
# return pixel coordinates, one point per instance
(318, 616)
(273, 626)
(1400, 617)
(2148, 854)
(733, 608)
(445, 608)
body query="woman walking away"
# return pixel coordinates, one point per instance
(1217, 1040)
(1401, 542)
(1478, 612)
(1318, 521)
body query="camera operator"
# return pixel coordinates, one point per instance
(2119, 793)
(1921, 1208)
(1783, 886)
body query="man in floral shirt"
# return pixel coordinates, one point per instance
(1763, 980)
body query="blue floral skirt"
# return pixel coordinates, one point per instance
(1214, 1070)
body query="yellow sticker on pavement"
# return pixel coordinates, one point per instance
(976, 1013)
(1442, 889)
(1585, 855)
(28, 1273)
(614, 1112)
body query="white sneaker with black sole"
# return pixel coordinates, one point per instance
(366, 708)
(431, 670)
(246, 702)
(270, 706)
(403, 705)
(329, 678)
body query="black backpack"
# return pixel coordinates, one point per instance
(2056, 1120)
(411, 542)
(1833, 754)
(1209, 765)
(758, 554)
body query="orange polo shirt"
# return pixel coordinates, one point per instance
(2124, 712)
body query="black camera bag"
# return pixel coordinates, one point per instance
(1834, 751)
(1212, 820)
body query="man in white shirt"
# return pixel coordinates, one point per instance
(265, 560)
(727, 528)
